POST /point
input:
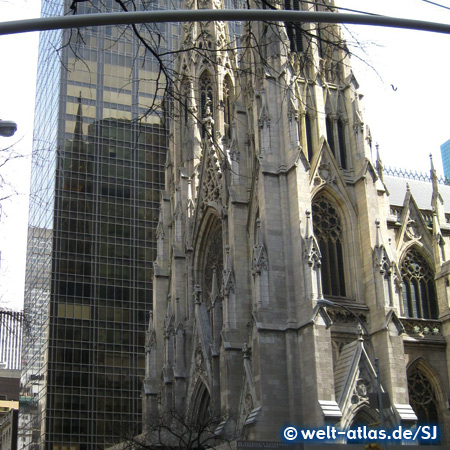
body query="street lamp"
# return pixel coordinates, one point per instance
(323, 302)
(7, 128)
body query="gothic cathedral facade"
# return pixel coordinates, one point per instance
(283, 268)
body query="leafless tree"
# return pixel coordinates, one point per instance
(301, 40)
(175, 431)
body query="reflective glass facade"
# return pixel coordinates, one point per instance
(97, 171)
(445, 155)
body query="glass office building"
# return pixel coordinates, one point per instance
(97, 170)
(445, 155)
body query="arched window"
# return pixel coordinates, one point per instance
(328, 232)
(422, 397)
(418, 289)
(294, 30)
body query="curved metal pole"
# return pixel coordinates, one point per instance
(204, 15)
(324, 302)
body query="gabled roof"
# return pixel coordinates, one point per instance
(422, 192)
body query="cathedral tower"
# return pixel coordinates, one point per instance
(272, 205)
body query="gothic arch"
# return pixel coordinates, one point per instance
(364, 415)
(418, 293)
(348, 220)
(199, 409)
(328, 230)
(209, 252)
(425, 395)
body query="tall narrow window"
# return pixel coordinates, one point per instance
(320, 43)
(309, 143)
(330, 133)
(418, 289)
(342, 143)
(328, 231)
(293, 29)
(227, 101)
(185, 91)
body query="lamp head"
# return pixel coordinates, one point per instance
(7, 128)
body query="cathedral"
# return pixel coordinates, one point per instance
(296, 283)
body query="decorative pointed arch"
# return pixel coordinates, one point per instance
(209, 253)
(419, 298)
(200, 405)
(423, 391)
(364, 415)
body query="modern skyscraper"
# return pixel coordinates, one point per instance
(97, 170)
(445, 155)
(10, 339)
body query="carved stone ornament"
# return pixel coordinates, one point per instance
(203, 4)
(361, 391)
(259, 259)
(199, 360)
(150, 339)
(248, 404)
(212, 180)
(324, 174)
(413, 230)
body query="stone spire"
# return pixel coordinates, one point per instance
(379, 164)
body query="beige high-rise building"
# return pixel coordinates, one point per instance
(279, 236)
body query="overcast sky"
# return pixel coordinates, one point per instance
(406, 101)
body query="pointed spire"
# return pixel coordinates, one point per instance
(379, 240)
(434, 180)
(151, 326)
(309, 228)
(214, 288)
(78, 132)
(313, 254)
(228, 282)
(379, 164)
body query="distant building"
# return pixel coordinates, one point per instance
(9, 408)
(445, 155)
(10, 339)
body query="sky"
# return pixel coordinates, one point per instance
(402, 74)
